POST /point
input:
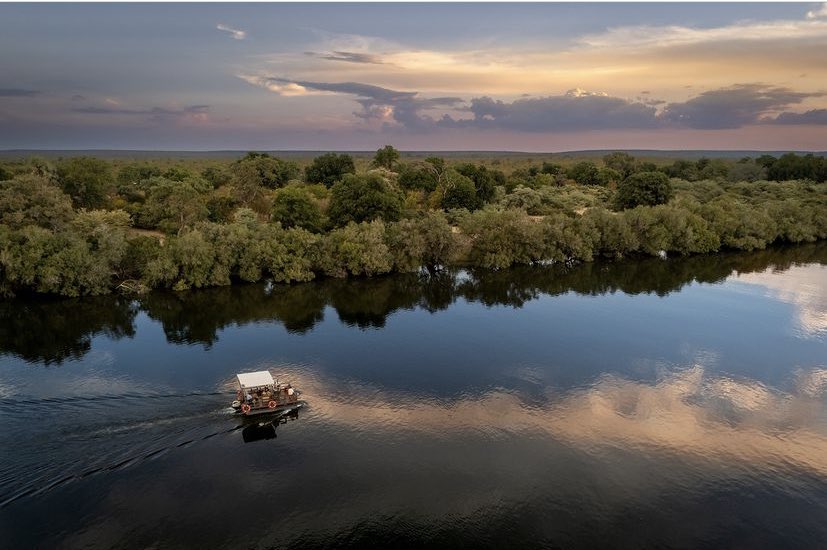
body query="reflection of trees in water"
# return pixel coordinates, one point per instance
(52, 331)
(518, 285)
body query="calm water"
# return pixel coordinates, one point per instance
(678, 403)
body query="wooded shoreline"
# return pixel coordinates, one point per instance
(85, 226)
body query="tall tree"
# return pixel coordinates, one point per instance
(644, 189)
(329, 168)
(364, 197)
(86, 180)
(386, 157)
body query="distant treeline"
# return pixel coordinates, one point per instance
(87, 226)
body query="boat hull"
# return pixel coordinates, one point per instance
(255, 411)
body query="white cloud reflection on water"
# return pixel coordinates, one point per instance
(805, 287)
(691, 414)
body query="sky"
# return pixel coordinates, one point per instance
(506, 77)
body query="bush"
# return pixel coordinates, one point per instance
(329, 168)
(363, 198)
(644, 189)
(295, 206)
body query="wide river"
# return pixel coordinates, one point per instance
(676, 403)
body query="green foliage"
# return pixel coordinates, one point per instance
(364, 197)
(220, 208)
(746, 171)
(426, 241)
(791, 166)
(136, 173)
(356, 249)
(217, 176)
(386, 157)
(585, 173)
(87, 180)
(623, 163)
(329, 168)
(172, 206)
(256, 172)
(458, 191)
(485, 180)
(644, 189)
(73, 262)
(421, 176)
(33, 200)
(502, 238)
(295, 206)
(47, 246)
(611, 235)
(525, 199)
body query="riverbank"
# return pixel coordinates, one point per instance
(101, 255)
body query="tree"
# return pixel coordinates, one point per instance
(329, 168)
(584, 173)
(263, 170)
(458, 191)
(386, 157)
(173, 205)
(622, 162)
(644, 189)
(484, 180)
(608, 176)
(295, 206)
(363, 197)
(33, 200)
(86, 180)
(216, 176)
(136, 173)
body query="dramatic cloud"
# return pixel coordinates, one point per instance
(576, 110)
(235, 33)
(17, 92)
(382, 104)
(732, 107)
(349, 57)
(814, 116)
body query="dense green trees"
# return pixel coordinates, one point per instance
(791, 166)
(386, 157)
(457, 191)
(624, 163)
(364, 197)
(329, 168)
(644, 189)
(295, 206)
(584, 173)
(173, 205)
(250, 219)
(264, 170)
(86, 180)
(33, 200)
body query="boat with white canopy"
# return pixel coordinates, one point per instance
(259, 393)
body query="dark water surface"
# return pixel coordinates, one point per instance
(677, 403)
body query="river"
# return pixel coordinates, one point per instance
(676, 403)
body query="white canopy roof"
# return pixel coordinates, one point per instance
(254, 379)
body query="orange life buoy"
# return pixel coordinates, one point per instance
(245, 408)
(272, 404)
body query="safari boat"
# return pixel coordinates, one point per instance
(258, 393)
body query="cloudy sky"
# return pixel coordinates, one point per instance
(527, 77)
